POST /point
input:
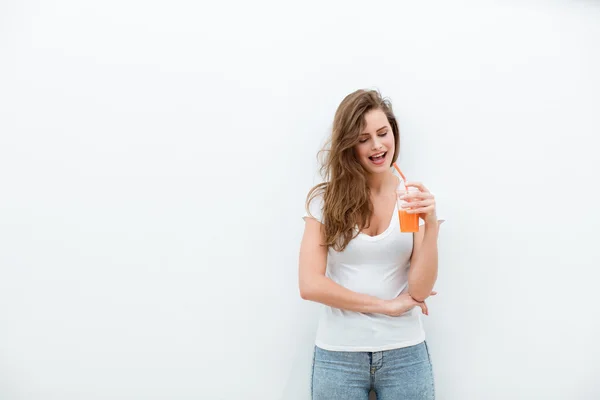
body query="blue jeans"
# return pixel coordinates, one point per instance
(398, 374)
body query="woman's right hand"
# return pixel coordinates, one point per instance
(404, 303)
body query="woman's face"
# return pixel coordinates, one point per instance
(375, 149)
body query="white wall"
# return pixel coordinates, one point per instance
(155, 158)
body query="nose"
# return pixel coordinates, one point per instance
(377, 143)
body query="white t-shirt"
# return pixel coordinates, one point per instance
(377, 266)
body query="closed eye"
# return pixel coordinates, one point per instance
(382, 134)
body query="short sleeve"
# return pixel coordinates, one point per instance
(315, 209)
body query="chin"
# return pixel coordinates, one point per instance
(376, 169)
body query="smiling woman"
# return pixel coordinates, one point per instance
(364, 126)
(375, 145)
(355, 260)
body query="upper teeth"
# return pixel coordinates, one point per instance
(378, 155)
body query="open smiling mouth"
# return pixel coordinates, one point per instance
(378, 158)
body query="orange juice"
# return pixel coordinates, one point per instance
(408, 222)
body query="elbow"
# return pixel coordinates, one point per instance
(417, 296)
(306, 290)
(310, 287)
(419, 292)
(420, 289)
(304, 293)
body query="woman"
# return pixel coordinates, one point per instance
(354, 259)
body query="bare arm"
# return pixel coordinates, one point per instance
(424, 260)
(315, 286)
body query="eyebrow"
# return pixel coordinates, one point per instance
(380, 129)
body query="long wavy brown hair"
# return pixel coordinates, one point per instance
(346, 195)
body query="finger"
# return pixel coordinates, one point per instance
(433, 293)
(425, 309)
(417, 203)
(425, 210)
(418, 185)
(416, 195)
(421, 203)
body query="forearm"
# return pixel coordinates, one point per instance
(424, 265)
(323, 290)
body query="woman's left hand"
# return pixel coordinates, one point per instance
(421, 202)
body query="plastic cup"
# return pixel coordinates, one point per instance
(408, 222)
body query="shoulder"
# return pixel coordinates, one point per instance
(314, 204)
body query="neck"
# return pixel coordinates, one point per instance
(378, 182)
